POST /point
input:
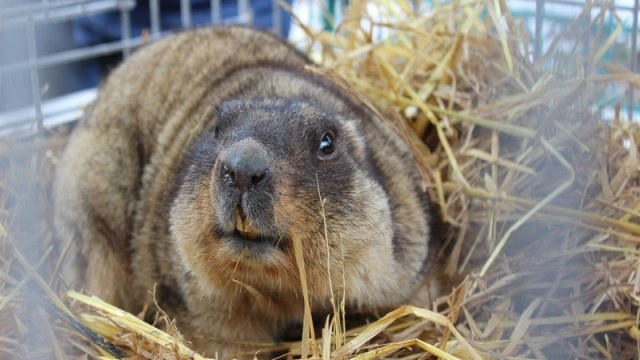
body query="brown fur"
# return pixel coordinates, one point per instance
(140, 192)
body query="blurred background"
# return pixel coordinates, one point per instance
(53, 53)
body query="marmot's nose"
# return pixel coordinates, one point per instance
(245, 165)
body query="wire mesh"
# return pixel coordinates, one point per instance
(31, 105)
(32, 99)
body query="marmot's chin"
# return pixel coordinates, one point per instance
(247, 243)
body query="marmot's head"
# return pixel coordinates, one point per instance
(274, 170)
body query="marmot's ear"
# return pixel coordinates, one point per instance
(230, 107)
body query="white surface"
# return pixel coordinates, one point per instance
(57, 111)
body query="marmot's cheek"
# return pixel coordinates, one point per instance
(299, 214)
(295, 212)
(373, 277)
(194, 237)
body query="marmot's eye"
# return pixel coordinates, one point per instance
(327, 145)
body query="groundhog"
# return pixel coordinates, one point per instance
(205, 155)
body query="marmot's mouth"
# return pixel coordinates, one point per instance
(246, 236)
(244, 227)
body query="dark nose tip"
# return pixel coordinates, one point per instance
(245, 165)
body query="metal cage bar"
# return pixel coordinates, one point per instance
(185, 12)
(125, 22)
(155, 19)
(59, 10)
(634, 54)
(33, 73)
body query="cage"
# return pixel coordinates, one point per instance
(46, 44)
(51, 48)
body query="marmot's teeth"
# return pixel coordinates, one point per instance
(244, 227)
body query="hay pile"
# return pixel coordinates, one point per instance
(542, 197)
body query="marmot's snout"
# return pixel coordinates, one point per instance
(245, 166)
(245, 183)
